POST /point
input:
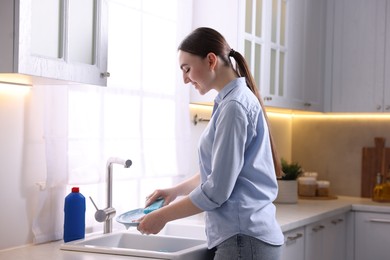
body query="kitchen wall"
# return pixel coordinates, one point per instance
(332, 146)
(22, 164)
(11, 155)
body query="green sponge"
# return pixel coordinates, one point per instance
(155, 205)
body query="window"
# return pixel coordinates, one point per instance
(136, 116)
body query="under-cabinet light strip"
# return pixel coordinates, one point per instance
(16, 89)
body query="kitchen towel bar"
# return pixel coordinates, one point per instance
(198, 119)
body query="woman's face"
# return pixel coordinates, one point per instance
(197, 70)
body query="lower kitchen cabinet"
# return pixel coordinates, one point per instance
(314, 242)
(372, 236)
(335, 236)
(326, 239)
(294, 244)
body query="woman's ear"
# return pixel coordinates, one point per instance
(212, 60)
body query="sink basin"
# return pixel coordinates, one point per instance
(169, 244)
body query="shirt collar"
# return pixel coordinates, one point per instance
(228, 88)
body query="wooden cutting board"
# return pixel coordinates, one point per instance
(374, 160)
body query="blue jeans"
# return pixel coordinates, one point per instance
(246, 248)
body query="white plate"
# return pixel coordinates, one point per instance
(129, 218)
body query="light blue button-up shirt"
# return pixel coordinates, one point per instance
(238, 182)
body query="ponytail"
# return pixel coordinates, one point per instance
(242, 70)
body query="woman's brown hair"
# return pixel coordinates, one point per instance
(204, 40)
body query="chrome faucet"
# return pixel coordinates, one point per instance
(106, 215)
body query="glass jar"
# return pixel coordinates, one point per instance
(307, 186)
(323, 188)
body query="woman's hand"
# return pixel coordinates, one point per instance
(171, 194)
(168, 195)
(151, 223)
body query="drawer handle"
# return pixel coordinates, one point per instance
(336, 221)
(318, 228)
(378, 220)
(293, 238)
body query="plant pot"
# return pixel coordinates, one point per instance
(288, 192)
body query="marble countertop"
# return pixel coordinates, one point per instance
(289, 216)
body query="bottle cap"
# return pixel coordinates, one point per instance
(75, 189)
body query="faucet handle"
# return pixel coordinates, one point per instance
(93, 203)
(102, 215)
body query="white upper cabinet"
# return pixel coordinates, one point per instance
(53, 41)
(361, 35)
(285, 46)
(314, 56)
(283, 42)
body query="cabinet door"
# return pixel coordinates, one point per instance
(314, 56)
(372, 236)
(314, 241)
(295, 63)
(386, 103)
(264, 44)
(7, 33)
(284, 45)
(358, 55)
(335, 234)
(294, 242)
(326, 239)
(306, 54)
(62, 40)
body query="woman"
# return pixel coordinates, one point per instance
(238, 165)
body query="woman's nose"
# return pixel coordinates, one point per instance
(186, 79)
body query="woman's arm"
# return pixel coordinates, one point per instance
(170, 194)
(188, 185)
(153, 222)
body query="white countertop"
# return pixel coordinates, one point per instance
(289, 216)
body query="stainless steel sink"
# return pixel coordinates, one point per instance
(168, 245)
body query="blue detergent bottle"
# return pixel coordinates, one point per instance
(74, 220)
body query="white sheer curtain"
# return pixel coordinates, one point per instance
(142, 115)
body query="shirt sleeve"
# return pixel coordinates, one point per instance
(227, 157)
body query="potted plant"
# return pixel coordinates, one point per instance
(288, 185)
